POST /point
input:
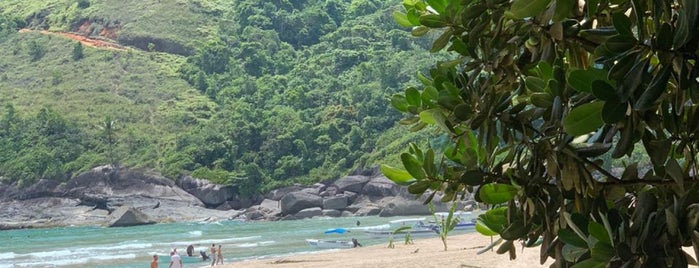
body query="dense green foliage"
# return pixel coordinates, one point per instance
(540, 98)
(248, 93)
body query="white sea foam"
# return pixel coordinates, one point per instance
(113, 257)
(195, 233)
(128, 246)
(71, 260)
(253, 245)
(208, 241)
(7, 255)
(51, 254)
(246, 245)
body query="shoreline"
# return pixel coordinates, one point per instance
(425, 252)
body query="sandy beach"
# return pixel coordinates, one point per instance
(462, 252)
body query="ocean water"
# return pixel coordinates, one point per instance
(135, 246)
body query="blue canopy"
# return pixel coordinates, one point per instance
(336, 230)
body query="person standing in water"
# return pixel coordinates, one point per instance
(213, 254)
(219, 257)
(175, 260)
(154, 262)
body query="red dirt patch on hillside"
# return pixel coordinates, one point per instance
(87, 41)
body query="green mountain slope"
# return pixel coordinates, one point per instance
(255, 94)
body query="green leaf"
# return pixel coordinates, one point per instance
(592, 7)
(412, 96)
(463, 111)
(516, 230)
(584, 119)
(419, 31)
(563, 9)
(572, 253)
(581, 80)
(438, 5)
(399, 102)
(472, 177)
(622, 24)
(521, 9)
(402, 19)
(399, 176)
(590, 263)
(414, 16)
(570, 238)
(542, 99)
(673, 169)
(483, 229)
(442, 41)
(664, 37)
(535, 84)
(619, 43)
(433, 21)
(495, 219)
(602, 252)
(409, 121)
(497, 193)
(603, 91)
(598, 231)
(413, 166)
(655, 89)
(474, 11)
(419, 187)
(613, 111)
(682, 30)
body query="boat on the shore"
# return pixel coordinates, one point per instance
(329, 244)
(466, 220)
(397, 228)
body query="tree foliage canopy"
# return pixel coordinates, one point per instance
(543, 104)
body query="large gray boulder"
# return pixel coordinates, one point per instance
(281, 192)
(128, 216)
(260, 212)
(381, 186)
(309, 213)
(351, 183)
(331, 213)
(211, 194)
(297, 201)
(399, 206)
(335, 202)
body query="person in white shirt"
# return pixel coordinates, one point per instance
(175, 260)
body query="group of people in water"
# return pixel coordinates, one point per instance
(216, 256)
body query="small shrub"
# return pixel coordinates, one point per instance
(83, 4)
(78, 51)
(36, 50)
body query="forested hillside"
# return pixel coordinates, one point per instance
(253, 93)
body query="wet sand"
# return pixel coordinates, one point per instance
(462, 252)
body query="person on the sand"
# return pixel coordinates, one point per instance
(154, 262)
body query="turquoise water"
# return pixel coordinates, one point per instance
(134, 246)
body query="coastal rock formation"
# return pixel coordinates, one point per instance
(212, 195)
(128, 216)
(96, 197)
(351, 183)
(294, 202)
(381, 186)
(90, 197)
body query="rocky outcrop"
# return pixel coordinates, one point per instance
(212, 195)
(381, 186)
(351, 183)
(128, 216)
(294, 202)
(335, 202)
(103, 195)
(90, 197)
